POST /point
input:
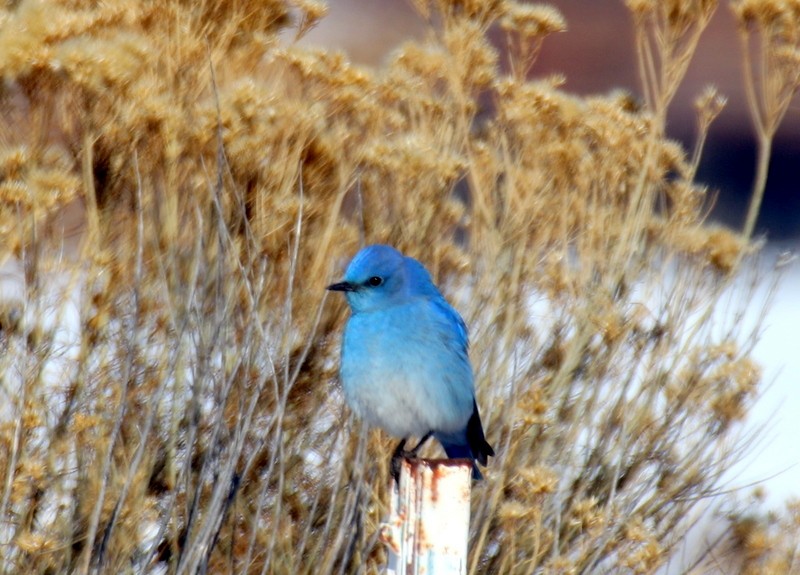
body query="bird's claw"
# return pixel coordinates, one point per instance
(394, 467)
(400, 452)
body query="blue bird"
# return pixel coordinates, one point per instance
(404, 365)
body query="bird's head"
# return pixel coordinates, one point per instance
(379, 276)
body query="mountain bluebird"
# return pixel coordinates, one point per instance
(404, 357)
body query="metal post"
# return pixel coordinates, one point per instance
(428, 525)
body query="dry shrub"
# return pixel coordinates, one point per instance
(194, 423)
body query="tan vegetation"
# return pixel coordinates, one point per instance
(195, 423)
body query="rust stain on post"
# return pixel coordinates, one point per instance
(428, 527)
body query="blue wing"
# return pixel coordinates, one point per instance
(454, 319)
(421, 284)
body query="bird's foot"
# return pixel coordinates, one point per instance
(400, 453)
(422, 442)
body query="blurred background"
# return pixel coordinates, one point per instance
(596, 56)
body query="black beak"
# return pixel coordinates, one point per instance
(341, 286)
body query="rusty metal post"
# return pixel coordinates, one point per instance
(428, 525)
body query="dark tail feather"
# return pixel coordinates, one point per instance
(476, 447)
(462, 451)
(481, 449)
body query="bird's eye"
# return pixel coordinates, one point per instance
(375, 281)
